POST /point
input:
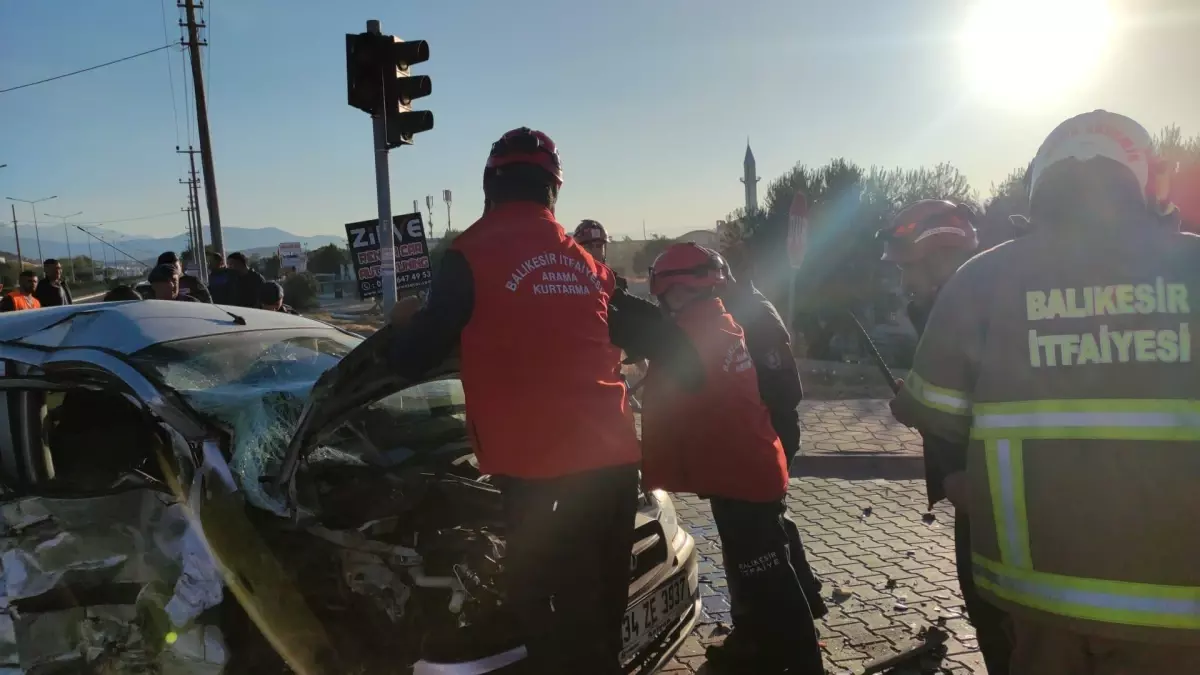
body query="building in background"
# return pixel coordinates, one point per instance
(292, 258)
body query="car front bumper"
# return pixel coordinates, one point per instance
(684, 560)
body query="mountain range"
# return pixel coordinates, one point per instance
(252, 241)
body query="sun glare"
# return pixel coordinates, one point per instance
(1025, 51)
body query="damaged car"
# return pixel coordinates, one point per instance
(189, 488)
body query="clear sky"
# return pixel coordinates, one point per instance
(650, 101)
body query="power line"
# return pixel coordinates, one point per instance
(85, 70)
(187, 104)
(170, 74)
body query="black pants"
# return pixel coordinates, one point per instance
(567, 567)
(771, 603)
(989, 621)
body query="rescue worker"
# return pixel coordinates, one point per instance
(188, 285)
(24, 297)
(540, 326)
(220, 280)
(52, 291)
(270, 298)
(929, 241)
(736, 460)
(592, 236)
(1064, 358)
(770, 348)
(164, 284)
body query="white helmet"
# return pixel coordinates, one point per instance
(1102, 134)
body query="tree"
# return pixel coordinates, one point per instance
(435, 256)
(841, 270)
(270, 266)
(328, 259)
(655, 245)
(301, 291)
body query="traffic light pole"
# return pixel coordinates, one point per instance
(383, 195)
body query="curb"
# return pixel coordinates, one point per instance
(865, 465)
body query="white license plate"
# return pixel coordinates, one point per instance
(645, 621)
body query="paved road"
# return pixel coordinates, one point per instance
(858, 553)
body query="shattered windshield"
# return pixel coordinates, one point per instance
(253, 383)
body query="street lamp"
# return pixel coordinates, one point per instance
(32, 207)
(67, 233)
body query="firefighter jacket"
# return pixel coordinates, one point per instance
(1065, 360)
(942, 457)
(540, 327)
(716, 441)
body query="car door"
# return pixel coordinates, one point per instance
(94, 568)
(131, 574)
(362, 377)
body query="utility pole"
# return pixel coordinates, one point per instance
(429, 207)
(17, 236)
(206, 160)
(67, 234)
(33, 207)
(446, 198)
(194, 182)
(191, 228)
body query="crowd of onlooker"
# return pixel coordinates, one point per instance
(231, 282)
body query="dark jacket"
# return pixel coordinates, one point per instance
(246, 288)
(942, 457)
(222, 286)
(53, 295)
(770, 348)
(193, 287)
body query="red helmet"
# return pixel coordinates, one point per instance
(927, 226)
(589, 231)
(688, 265)
(526, 146)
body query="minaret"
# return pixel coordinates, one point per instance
(750, 179)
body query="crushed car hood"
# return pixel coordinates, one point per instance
(362, 377)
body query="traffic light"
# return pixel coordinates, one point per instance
(378, 83)
(402, 122)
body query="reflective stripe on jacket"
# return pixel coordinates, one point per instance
(718, 441)
(540, 373)
(1066, 359)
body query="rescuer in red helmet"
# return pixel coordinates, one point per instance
(770, 348)
(929, 241)
(733, 458)
(540, 326)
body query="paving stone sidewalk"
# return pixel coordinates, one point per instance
(855, 428)
(859, 534)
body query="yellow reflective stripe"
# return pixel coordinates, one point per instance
(1118, 602)
(938, 398)
(1102, 419)
(1006, 481)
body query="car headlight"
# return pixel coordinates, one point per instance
(667, 516)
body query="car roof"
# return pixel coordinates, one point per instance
(130, 326)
